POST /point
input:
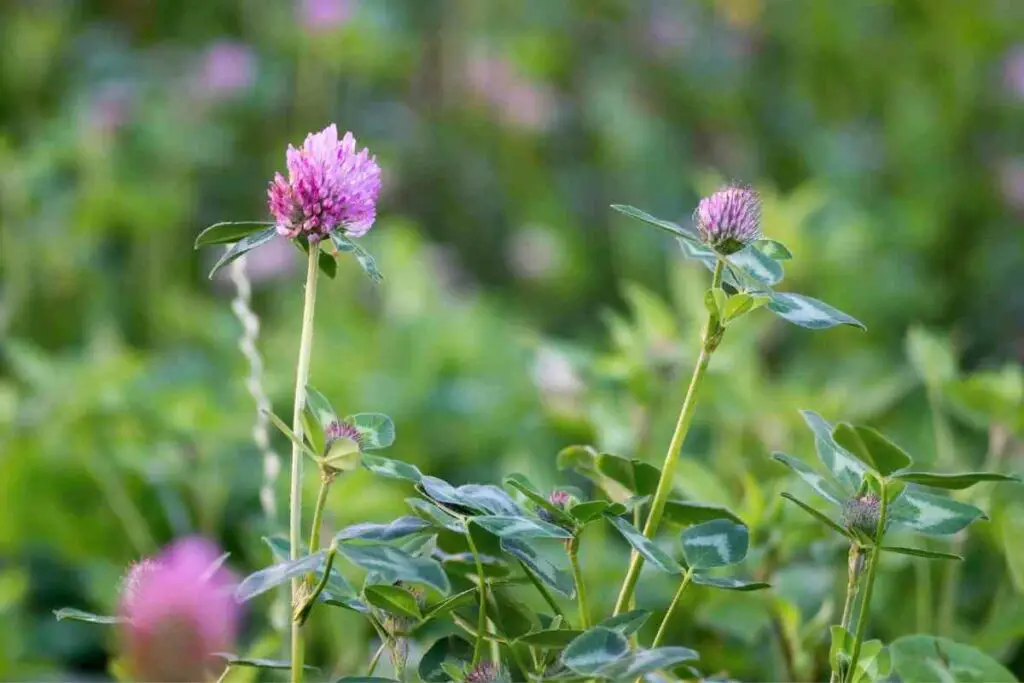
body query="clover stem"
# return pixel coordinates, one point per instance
(542, 589)
(376, 658)
(710, 339)
(318, 512)
(481, 628)
(869, 583)
(663, 628)
(853, 573)
(577, 575)
(302, 613)
(295, 496)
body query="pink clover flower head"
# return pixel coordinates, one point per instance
(178, 612)
(730, 219)
(329, 186)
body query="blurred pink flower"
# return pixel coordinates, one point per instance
(518, 101)
(1011, 181)
(324, 15)
(227, 69)
(179, 612)
(329, 186)
(535, 253)
(1013, 71)
(109, 109)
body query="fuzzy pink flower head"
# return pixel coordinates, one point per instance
(730, 219)
(178, 612)
(329, 186)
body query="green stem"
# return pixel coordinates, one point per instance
(853, 573)
(709, 341)
(302, 613)
(660, 635)
(869, 584)
(481, 628)
(224, 676)
(318, 512)
(577, 576)
(543, 590)
(376, 658)
(295, 497)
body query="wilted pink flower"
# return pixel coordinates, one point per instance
(329, 186)
(227, 68)
(324, 15)
(730, 219)
(178, 613)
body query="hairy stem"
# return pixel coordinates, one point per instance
(302, 613)
(663, 628)
(376, 658)
(577, 576)
(481, 627)
(224, 675)
(295, 496)
(854, 565)
(869, 584)
(709, 341)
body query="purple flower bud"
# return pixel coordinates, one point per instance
(329, 186)
(730, 219)
(861, 513)
(487, 672)
(178, 613)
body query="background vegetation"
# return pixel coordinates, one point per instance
(519, 314)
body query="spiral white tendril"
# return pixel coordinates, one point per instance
(254, 383)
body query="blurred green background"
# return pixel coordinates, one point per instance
(519, 314)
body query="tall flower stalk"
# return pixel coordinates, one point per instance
(710, 338)
(727, 221)
(331, 188)
(295, 494)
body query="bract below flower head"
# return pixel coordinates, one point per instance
(730, 219)
(329, 187)
(178, 613)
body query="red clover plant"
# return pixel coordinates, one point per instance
(452, 562)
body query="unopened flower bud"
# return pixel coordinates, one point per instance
(861, 513)
(487, 672)
(342, 444)
(730, 219)
(563, 500)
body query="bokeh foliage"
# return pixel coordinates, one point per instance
(519, 314)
